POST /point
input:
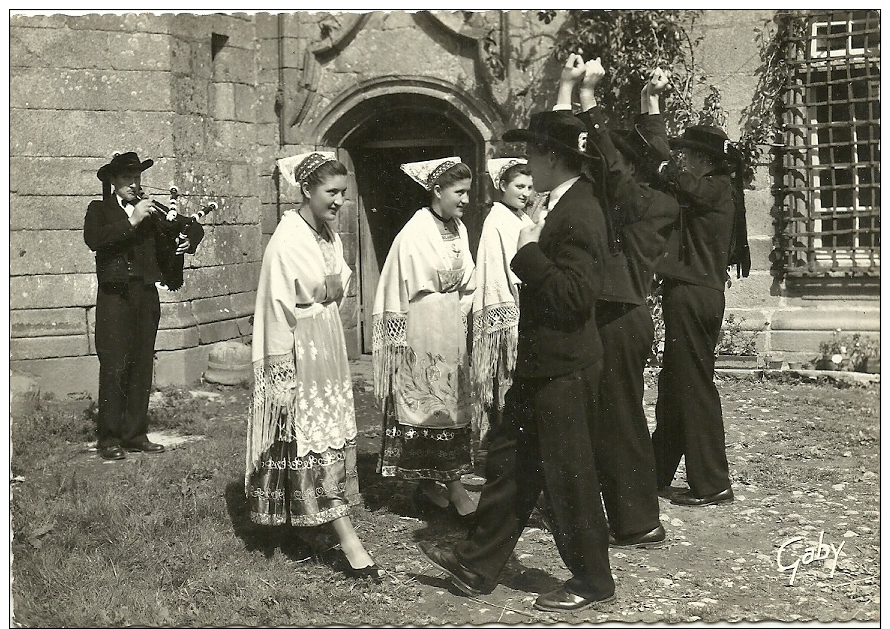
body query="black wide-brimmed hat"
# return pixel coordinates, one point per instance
(123, 163)
(708, 139)
(638, 144)
(559, 129)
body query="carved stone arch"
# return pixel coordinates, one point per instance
(351, 108)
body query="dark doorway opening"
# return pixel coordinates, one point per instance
(393, 131)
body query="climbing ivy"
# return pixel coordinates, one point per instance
(630, 44)
(763, 119)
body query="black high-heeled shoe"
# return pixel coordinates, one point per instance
(373, 572)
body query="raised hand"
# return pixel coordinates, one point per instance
(532, 233)
(140, 211)
(657, 82)
(573, 70)
(593, 73)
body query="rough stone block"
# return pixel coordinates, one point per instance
(223, 95)
(63, 376)
(218, 331)
(292, 51)
(243, 177)
(55, 133)
(221, 280)
(52, 291)
(266, 25)
(48, 347)
(29, 212)
(213, 309)
(47, 322)
(176, 339)
(237, 211)
(848, 320)
(122, 22)
(267, 61)
(761, 248)
(231, 140)
(243, 304)
(240, 29)
(798, 341)
(56, 251)
(245, 102)
(758, 208)
(176, 314)
(752, 291)
(269, 221)
(234, 65)
(229, 244)
(190, 97)
(92, 90)
(89, 49)
(180, 367)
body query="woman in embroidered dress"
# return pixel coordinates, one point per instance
(421, 367)
(496, 300)
(301, 450)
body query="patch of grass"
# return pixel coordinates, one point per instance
(166, 540)
(176, 409)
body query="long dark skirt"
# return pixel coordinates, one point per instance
(304, 490)
(416, 453)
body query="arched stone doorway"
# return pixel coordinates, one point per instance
(379, 134)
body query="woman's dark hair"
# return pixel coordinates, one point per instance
(514, 171)
(324, 172)
(456, 173)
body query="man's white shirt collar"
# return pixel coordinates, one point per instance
(558, 191)
(126, 206)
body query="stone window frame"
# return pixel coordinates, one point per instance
(831, 164)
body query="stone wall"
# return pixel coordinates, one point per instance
(82, 87)
(216, 99)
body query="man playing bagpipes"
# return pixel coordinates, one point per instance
(134, 248)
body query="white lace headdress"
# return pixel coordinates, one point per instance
(426, 173)
(296, 168)
(499, 165)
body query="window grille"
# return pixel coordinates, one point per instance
(832, 137)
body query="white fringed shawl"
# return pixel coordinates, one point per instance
(413, 266)
(291, 286)
(496, 307)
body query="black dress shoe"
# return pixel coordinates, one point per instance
(563, 600)
(647, 538)
(670, 491)
(112, 453)
(688, 500)
(142, 445)
(463, 579)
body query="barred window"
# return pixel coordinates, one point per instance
(832, 162)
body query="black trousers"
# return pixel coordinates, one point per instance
(625, 460)
(127, 316)
(689, 418)
(543, 442)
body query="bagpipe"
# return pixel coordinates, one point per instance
(176, 227)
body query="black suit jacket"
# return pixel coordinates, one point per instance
(643, 215)
(124, 251)
(562, 277)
